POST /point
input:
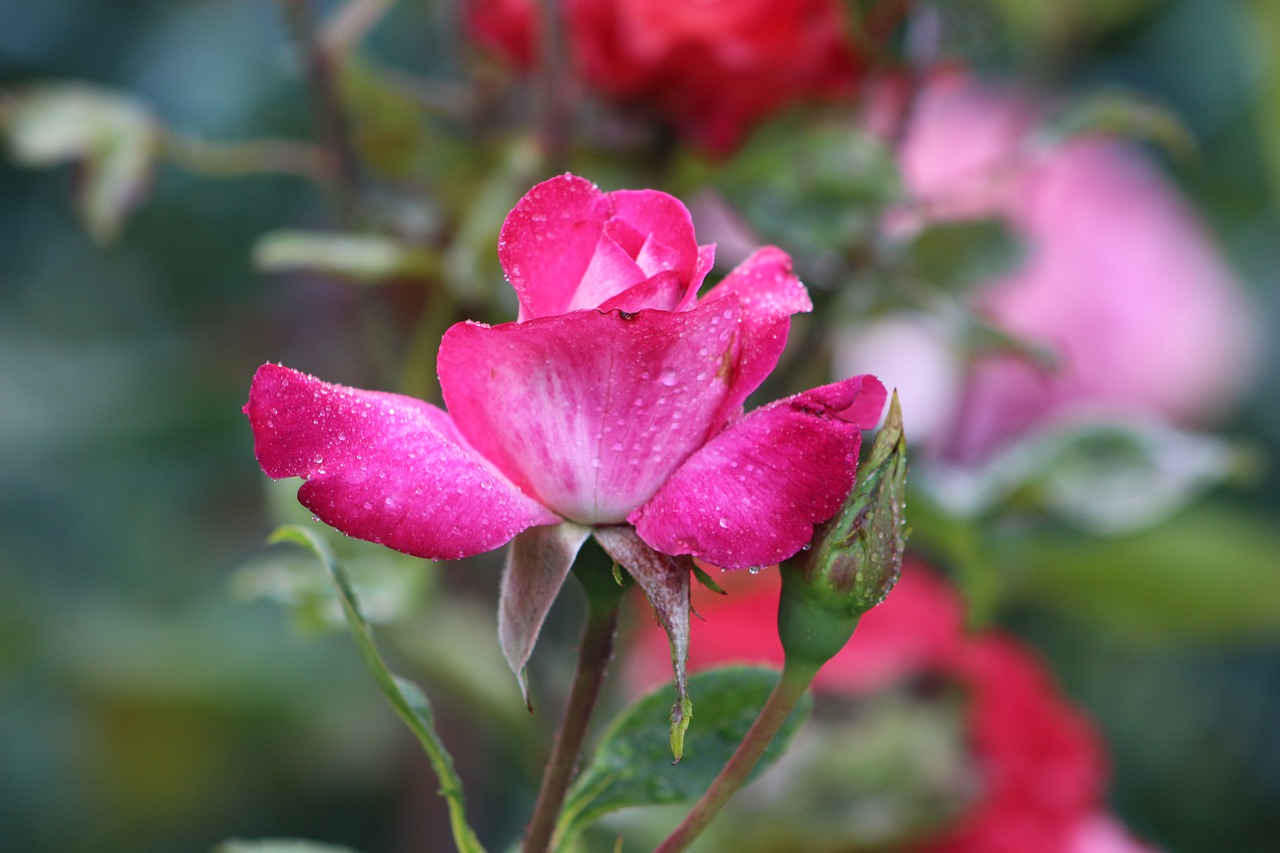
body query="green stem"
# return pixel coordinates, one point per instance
(409, 703)
(795, 680)
(553, 87)
(330, 114)
(594, 653)
(246, 157)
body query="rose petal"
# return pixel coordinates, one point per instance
(548, 241)
(537, 563)
(769, 293)
(751, 495)
(664, 292)
(665, 581)
(611, 271)
(384, 467)
(589, 412)
(670, 243)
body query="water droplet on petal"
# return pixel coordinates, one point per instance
(668, 377)
(724, 522)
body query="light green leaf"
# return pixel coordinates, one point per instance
(632, 765)
(390, 587)
(362, 258)
(278, 845)
(1102, 476)
(113, 139)
(1121, 113)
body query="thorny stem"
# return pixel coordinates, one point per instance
(795, 680)
(326, 102)
(595, 650)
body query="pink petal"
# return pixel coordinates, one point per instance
(548, 241)
(537, 564)
(770, 293)
(670, 242)
(610, 272)
(751, 495)
(383, 467)
(664, 291)
(590, 412)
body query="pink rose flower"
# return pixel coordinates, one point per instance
(710, 67)
(612, 407)
(1120, 280)
(1039, 764)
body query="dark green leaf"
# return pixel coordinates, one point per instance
(632, 765)
(955, 256)
(812, 188)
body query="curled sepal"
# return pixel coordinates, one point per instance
(665, 581)
(538, 561)
(856, 556)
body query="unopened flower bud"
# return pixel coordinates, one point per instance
(856, 557)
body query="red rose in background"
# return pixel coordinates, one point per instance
(1040, 768)
(711, 68)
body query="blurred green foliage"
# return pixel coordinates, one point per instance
(144, 707)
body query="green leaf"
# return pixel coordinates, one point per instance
(1102, 476)
(362, 258)
(812, 188)
(112, 139)
(955, 256)
(278, 845)
(390, 587)
(409, 702)
(1210, 573)
(1121, 113)
(632, 765)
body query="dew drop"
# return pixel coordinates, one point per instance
(724, 522)
(668, 377)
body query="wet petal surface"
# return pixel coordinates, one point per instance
(383, 467)
(751, 495)
(590, 412)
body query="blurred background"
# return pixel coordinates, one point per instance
(152, 697)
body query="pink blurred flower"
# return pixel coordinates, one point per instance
(1041, 768)
(1120, 279)
(710, 67)
(613, 406)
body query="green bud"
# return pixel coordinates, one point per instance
(855, 558)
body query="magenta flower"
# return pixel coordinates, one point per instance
(612, 407)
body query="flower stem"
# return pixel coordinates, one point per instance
(795, 680)
(553, 104)
(595, 650)
(330, 113)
